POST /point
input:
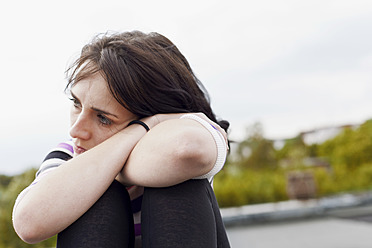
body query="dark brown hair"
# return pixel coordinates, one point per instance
(146, 73)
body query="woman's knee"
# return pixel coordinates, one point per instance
(181, 214)
(110, 219)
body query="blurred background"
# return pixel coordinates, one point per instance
(293, 78)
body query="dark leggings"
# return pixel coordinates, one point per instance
(184, 215)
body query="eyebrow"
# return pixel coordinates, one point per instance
(93, 108)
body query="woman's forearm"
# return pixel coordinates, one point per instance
(66, 193)
(172, 152)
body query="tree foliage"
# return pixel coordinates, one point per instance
(259, 173)
(256, 151)
(294, 149)
(351, 148)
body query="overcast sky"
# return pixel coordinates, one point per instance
(291, 65)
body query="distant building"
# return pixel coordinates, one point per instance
(320, 135)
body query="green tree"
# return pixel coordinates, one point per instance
(351, 148)
(293, 152)
(256, 151)
(4, 181)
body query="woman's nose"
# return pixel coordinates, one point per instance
(80, 127)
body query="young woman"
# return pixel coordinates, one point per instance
(140, 123)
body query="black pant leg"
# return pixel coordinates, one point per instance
(107, 224)
(184, 215)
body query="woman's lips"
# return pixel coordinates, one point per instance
(78, 150)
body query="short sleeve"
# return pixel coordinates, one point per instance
(220, 144)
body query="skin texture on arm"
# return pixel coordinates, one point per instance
(169, 155)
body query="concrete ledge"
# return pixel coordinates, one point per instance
(294, 209)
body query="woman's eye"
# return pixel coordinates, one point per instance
(104, 120)
(75, 102)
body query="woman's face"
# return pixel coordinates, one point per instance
(95, 114)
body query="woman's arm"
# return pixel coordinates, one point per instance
(66, 193)
(174, 151)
